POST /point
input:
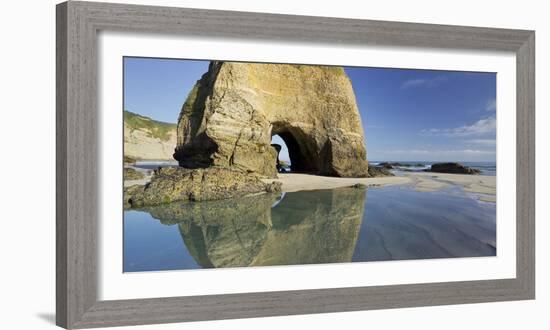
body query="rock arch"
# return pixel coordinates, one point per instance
(233, 111)
(301, 148)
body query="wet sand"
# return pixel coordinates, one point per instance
(297, 181)
(484, 187)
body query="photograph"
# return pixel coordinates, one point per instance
(243, 164)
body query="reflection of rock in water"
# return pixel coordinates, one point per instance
(220, 233)
(305, 227)
(313, 227)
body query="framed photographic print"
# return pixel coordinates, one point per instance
(217, 165)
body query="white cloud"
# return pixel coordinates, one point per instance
(436, 155)
(407, 151)
(486, 142)
(480, 152)
(480, 127)
(491, 105)
(439, 152)
(423, 82)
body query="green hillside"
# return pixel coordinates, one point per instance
(156, 129)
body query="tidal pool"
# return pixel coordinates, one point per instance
(310, 227)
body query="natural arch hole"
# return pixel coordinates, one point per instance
(283, 163)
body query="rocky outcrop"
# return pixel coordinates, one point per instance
(178, 184)
(456, 168)
(301, 228)
(147, 139)
(393, 165)
(378, 171)
(132, 174)
(233, 111)
(388, 166)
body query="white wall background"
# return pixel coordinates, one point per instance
(27, 187)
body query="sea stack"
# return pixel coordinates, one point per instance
(233, 111)
(455, 168)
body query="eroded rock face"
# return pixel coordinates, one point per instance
(233, 111)
(147, 139)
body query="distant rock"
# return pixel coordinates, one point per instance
(178, 184)
(147, 139)
(233, 111)
(455, 168)
(392, 165)
(378, 171)
(388, 165)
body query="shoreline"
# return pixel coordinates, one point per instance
(483, 187)
(293, 182)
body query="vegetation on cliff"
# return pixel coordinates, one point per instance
(147, 139)
(156, 129)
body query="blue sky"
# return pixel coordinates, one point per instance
(407, 114)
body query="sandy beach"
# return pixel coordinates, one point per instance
(478, 184)
(481, 185)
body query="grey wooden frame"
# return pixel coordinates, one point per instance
(77, 151)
